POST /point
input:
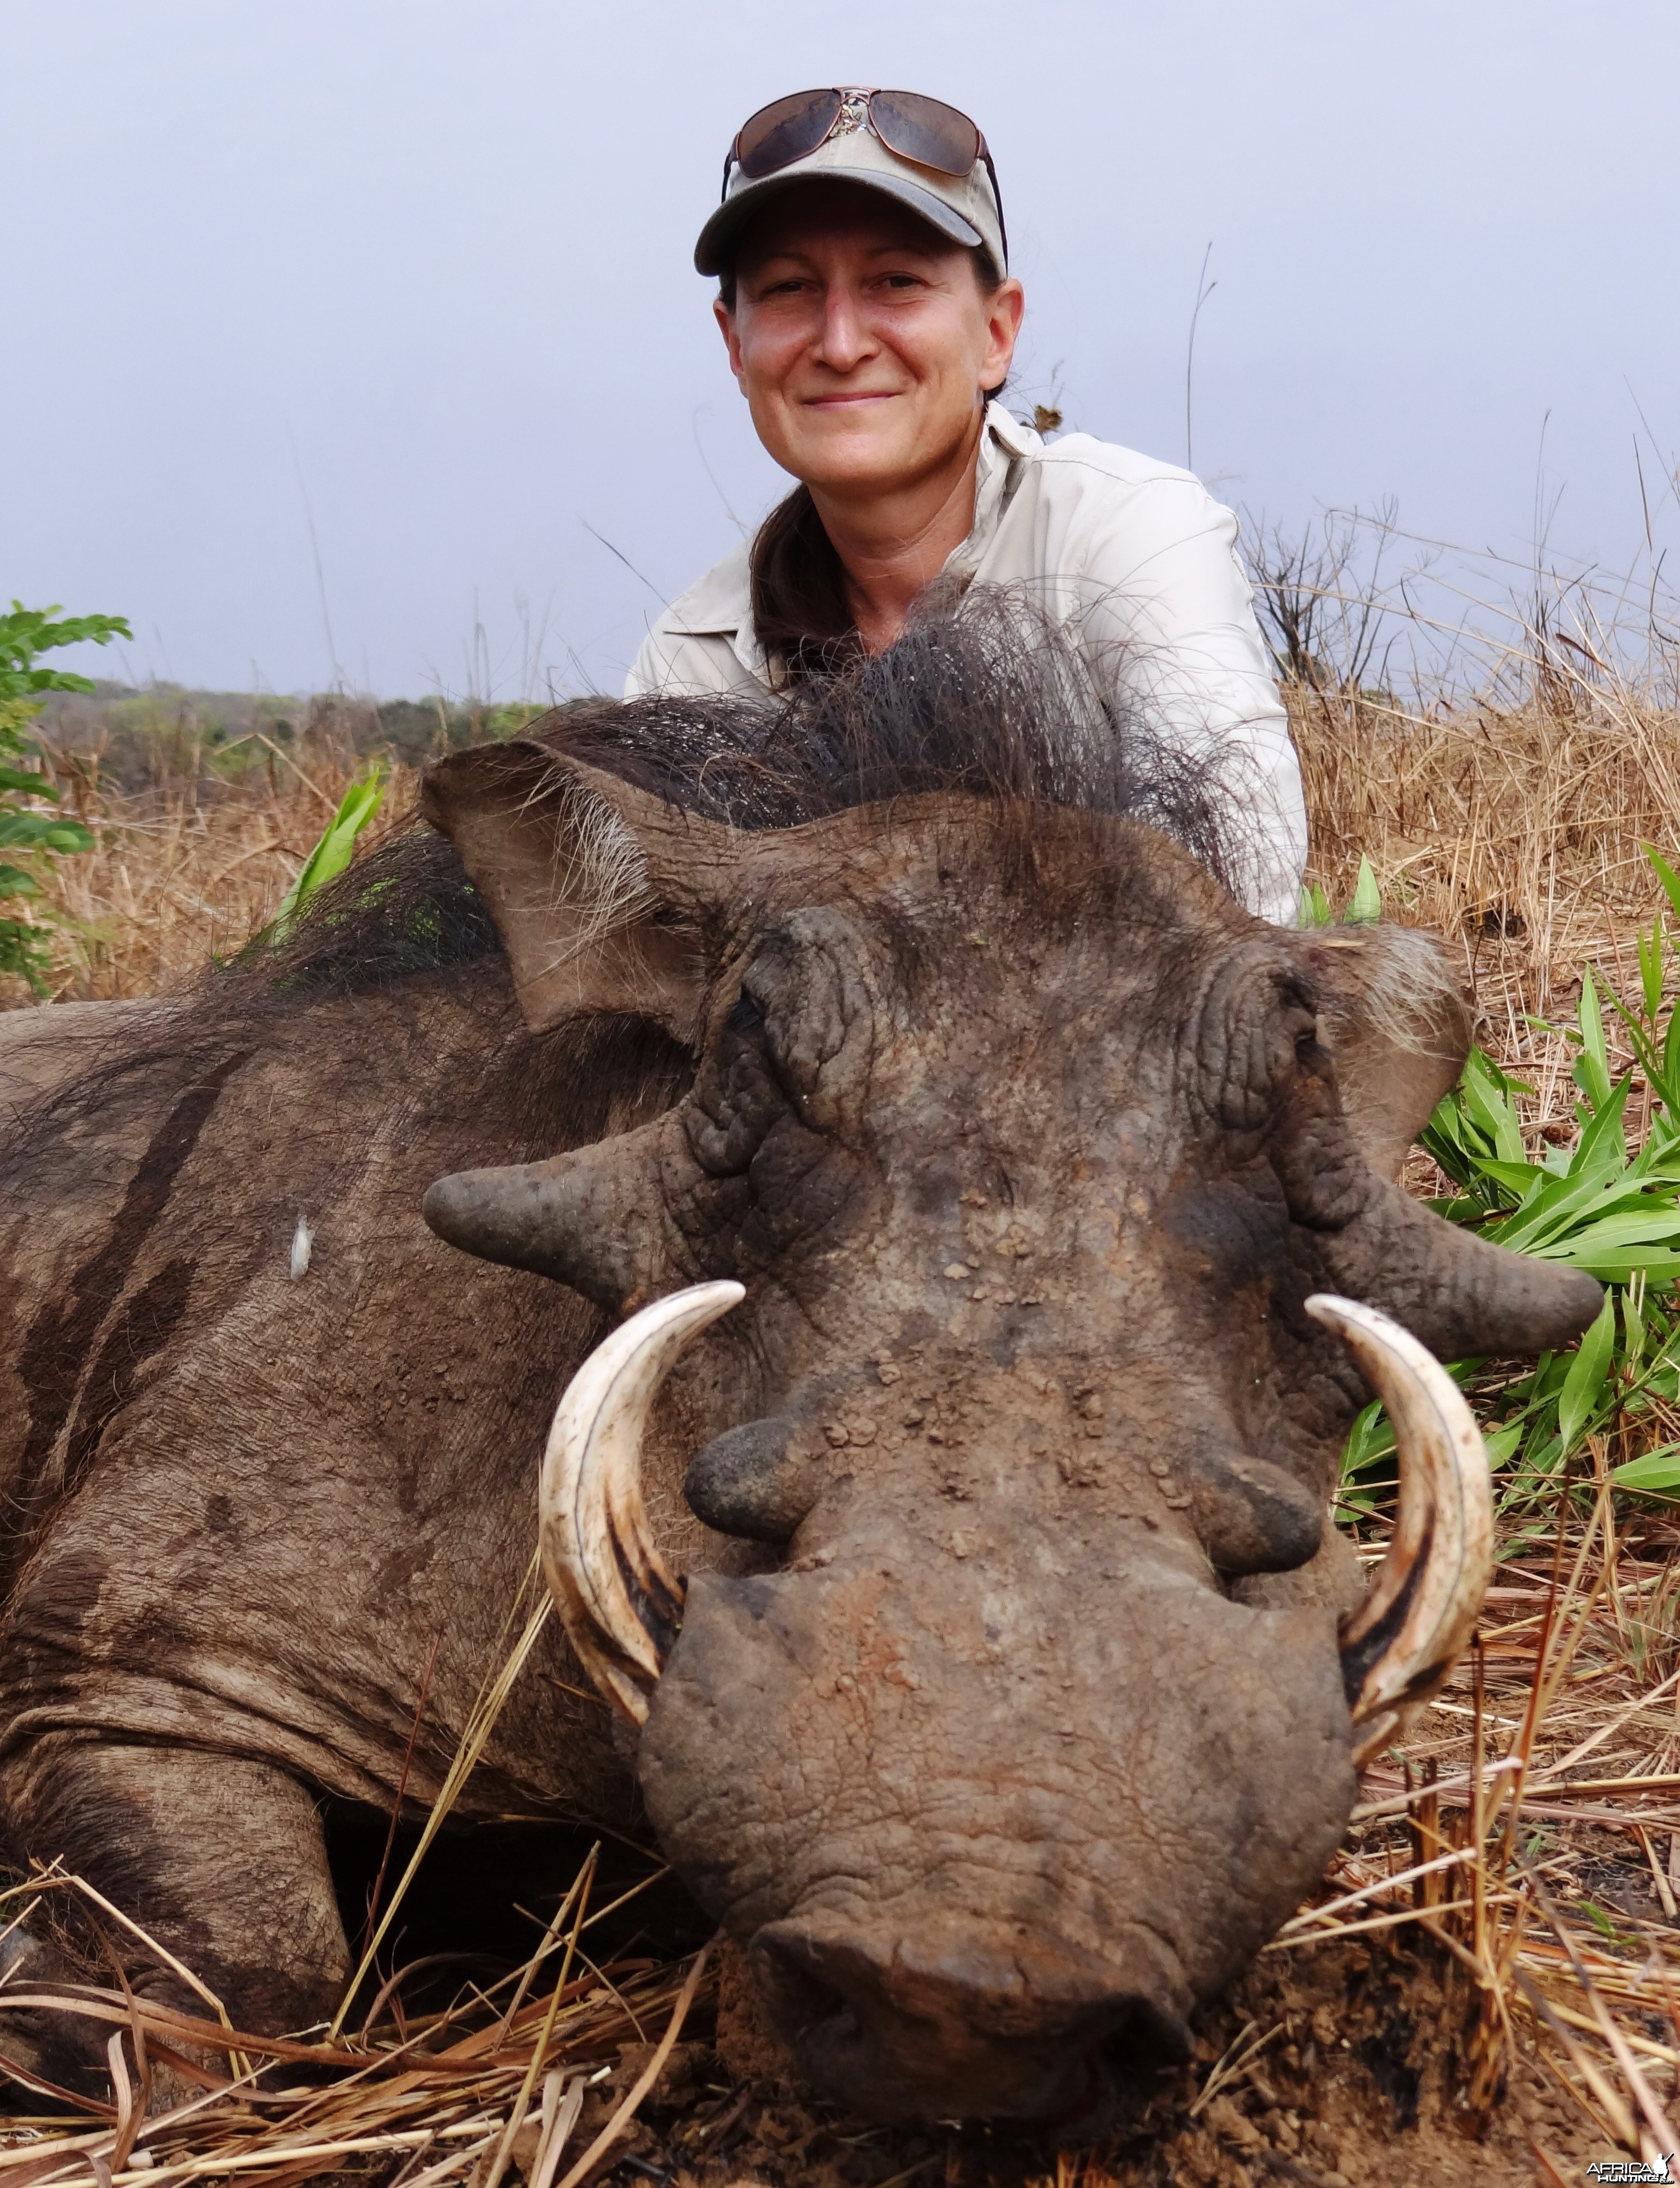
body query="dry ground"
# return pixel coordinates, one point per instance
(1489, 1980)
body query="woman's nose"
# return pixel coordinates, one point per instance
(845, 339)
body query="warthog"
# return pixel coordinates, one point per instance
(1003, 1713)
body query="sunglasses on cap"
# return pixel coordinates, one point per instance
(924, 131)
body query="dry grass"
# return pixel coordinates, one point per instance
(187, 871)
(1529, 1850)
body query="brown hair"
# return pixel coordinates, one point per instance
(801, 611)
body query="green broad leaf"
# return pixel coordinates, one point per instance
(1502, 1444)
(333, 851)
(1650, 971)
(1623, 1230)
(1563, 1205)
(1459, 1207)
(27, 786)
(1656, 1264)
(15, 881)
(1370, 1440)
(1366, 906)
(1541, 1457)
(1587, 1374)
(1489, 1101)
(1592, 1071)
(1658, 1162)
(1636, 1219)
(1653, 1470)
(27, 632)
(1603, 1143)
(1666, 875)
(1315, 906)
(1443, 1138)
(47, 832)
(1519, 1178)
(1656, 1067)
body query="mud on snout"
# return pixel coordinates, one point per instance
(989, 1828)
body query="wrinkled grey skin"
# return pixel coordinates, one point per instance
(1026, 1144)
(1018, 1725)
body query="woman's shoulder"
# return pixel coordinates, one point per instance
(1080, 463)
(716, 604)
(1079, 496)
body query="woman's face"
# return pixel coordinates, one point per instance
(861, 340)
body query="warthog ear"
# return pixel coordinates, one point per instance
(598, 889)
(1396, 1023)
(1394, 1014)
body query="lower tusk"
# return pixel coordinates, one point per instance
(621, 1604)
(1399, 1644)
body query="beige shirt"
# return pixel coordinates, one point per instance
(1135, 557)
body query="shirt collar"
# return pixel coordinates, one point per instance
(720, 604)
(1003, 444)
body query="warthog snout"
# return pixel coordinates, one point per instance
(936, 2008)
(988, 1825)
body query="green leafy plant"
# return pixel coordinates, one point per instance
(1364, 907)
(30, 829)
(1600, 1206)
(333, 851)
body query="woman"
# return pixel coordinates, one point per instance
(865, 298)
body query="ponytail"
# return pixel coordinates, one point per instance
(800, 611)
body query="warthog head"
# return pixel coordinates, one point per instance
(1021, 1155)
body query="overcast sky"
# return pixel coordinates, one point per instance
(403, 292)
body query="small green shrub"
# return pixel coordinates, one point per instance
(1599, 1206)
(27, 831)
(1364, 906)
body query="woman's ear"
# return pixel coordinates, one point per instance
(1006, 307)
(726, 327)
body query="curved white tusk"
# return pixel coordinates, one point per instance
(620, 1603)
(1398, 1645)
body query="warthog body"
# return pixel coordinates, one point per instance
(1012, 1723)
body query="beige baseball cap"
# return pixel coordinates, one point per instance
(964, 207)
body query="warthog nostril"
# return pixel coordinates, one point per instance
(796, 1994)
(952, 2016)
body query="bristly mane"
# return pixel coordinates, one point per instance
(982, 697)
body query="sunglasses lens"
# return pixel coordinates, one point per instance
(785, 131)
(925, 130)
